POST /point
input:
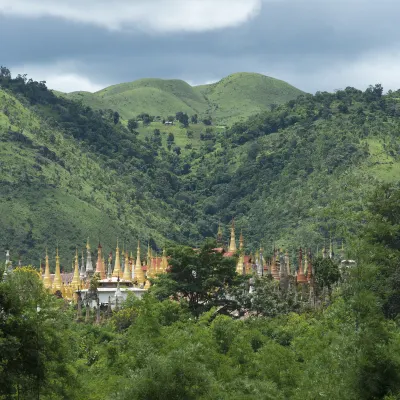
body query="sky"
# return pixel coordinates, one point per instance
(315, 45)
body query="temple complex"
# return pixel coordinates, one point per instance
(109, 283)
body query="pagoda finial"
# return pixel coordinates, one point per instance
(127, 271)
(241, 240)
(76, 278)
(220, 234)
(138, 273)
(164, 262)
(301, 278)
(47, 279)
(57, 284)
(330, 249)
(117, 265)
(89, 265)
(100, 267)
(232, 245)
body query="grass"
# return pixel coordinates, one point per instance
(182, 138)
(380, 164)
(232, 99)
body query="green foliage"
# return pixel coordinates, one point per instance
(229, 100)
(132, 124)
(199, 276)
(37, 349)
(326, 272)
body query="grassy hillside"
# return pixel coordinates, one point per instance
(63, 179)
(240, 95)
(296, 175)
(229, 100)
(301, 174)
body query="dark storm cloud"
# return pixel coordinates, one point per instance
(288, 39)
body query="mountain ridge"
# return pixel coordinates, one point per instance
(233, 98)
(292, 176)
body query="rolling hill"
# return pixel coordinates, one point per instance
(295, 175)
(232, 99)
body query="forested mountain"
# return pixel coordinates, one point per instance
(231, 99)
(294, 175)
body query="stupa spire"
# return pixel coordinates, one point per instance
(301, 278)
(164, 261)
(127, 271)
(220, 238)
(47, 278)
(57, 284)
(232, 244)
(76, 279)
(287, 263)
(309, 271)
(100, 268)
(83, 269)
(89, 265)
(117, 265)
(109, 269)
(139, 274)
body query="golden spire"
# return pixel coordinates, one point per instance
(287, 262)
(164, 261)
(138, 262)
(47, 278)
(148, 254)
(127, 271)
(88, 244)
(232, 245)
(76, 279)
(301, 278)
(117, 265)
(139, 274)
(63, 291)
(57, 284)
(100, 268)
(241, 241)
(219, 234)
(305, 269)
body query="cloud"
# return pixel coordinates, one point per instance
(312, 44)
(61, 76)
(157, 15)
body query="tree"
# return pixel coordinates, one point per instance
(170, 138)
(146, 119)
(199, 276)
(33, 347)
(5, 73)
(326, 272)
(207, 121)
(116, 117)
(177, 150)
(193, 119)
(182, 118)
(132, 124)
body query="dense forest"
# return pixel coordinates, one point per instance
(168, 347)
(297, 174)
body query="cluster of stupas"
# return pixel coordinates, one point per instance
(277, 267)
(124, 275)
(114, 280)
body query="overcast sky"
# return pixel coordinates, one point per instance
(312, 44)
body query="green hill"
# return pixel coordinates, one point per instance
(229, 100)
(293, 176)
(240, 95)
(68, 173)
